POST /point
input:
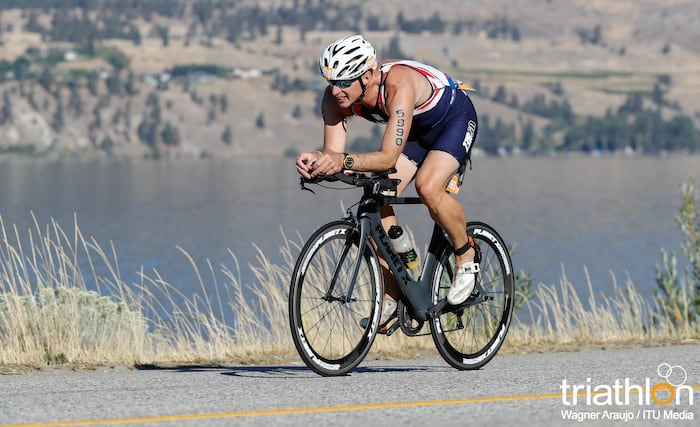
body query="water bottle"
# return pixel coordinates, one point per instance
(402, 246)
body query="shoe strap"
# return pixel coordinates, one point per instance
(469, 267)
(463, 250)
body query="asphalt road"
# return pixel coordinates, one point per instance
(529, 389)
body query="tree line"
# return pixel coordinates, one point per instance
(646, 122)
(87, 22)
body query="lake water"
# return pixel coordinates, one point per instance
(604, 214)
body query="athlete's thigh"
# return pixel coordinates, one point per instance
(437, 168)
(405, 171)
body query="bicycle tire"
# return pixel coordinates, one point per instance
(326, 331)
(484, 325)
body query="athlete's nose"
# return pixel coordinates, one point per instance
(335, 90)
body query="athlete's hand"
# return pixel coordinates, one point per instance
(306, 162)
(327, 164)
(314, 164)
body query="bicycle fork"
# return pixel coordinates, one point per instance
(361, 246)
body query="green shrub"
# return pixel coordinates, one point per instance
(678, 292)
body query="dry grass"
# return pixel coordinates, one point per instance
(54, 310)
(559, 319)
(47, 315)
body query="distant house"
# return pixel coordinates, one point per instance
(70, 55)
(155, 79)
(246, 73)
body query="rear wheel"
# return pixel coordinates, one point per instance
(323, 316)
(468, 336)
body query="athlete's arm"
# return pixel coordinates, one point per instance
(401, 97)
(328, 161)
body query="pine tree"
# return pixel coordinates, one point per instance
(227, 135)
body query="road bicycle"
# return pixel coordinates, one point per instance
(337, 282)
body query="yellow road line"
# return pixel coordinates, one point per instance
(292, 411)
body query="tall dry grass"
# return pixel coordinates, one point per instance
(56, 308)
(47, 314)
(559, 317)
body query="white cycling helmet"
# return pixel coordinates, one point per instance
(347, 58)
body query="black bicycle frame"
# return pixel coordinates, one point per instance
(416, 293)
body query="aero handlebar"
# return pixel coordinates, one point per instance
(377, 182)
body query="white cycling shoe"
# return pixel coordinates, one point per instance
(463, 284)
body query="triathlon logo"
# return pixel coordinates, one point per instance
(625, 400)
(675, 376)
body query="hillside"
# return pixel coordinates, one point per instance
(204, 78)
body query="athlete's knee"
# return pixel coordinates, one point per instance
(430, 193)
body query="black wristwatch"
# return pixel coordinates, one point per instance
(348, 162)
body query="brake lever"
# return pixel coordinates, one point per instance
(302, 185)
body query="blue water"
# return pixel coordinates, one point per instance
(609, 216)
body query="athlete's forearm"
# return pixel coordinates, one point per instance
(395, 136)
(375, 161)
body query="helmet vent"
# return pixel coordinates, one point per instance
(347, 58)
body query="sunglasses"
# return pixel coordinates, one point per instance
(341, 84)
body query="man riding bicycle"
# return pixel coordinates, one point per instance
(431, 125)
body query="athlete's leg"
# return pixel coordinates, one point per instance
(450, 149)
(445, 210)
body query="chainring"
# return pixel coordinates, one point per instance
(409, 326)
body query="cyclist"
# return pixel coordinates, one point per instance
(431, 125)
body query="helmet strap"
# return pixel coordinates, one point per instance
(364, 89)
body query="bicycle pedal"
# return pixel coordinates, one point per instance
(384, 330)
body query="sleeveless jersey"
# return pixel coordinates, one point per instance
(426, 115)
(446, 121)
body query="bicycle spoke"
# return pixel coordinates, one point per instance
(316, 326)
(470, 340)
(324, 319)
(329, 338)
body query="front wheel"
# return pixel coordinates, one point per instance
(324, 313)
(469, 337)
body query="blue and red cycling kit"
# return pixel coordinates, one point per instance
(446, 121)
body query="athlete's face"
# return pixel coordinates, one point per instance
(345, 91)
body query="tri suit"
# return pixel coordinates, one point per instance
(446, 121)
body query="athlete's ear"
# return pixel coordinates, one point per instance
(369, 77)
